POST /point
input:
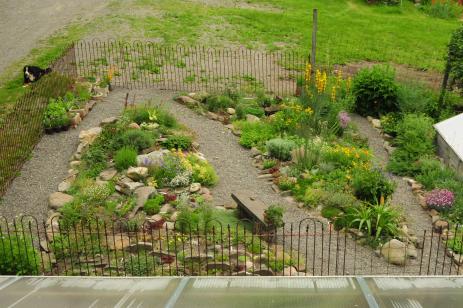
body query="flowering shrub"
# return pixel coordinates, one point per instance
(344, 119)
(291, 116)
(440, 199)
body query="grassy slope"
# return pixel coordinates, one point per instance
(349, 30)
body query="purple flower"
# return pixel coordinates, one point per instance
(344, 119)
(146, 161)
(440, 199)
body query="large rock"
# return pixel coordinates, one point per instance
(137, 173)
(89, 135)
(128, 187)
(58, 199)
(108, 174)
(64, 186)
(110, 120)
(376, 123)
(153, 159)
(195, 187)
(252, 118)
(231, 111)
(395, 252)
(186, 100)
(142, 195)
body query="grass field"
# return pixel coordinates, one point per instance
(349, 30)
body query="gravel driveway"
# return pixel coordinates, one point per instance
(24, 23)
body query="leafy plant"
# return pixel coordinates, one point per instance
(179, 142)
(137, 139)
(280, 148)
(254, 134)
(415, 139)
(202, 171)
(153, 205)
(371, 185)
(18, 256)
(269, 163)
(217, 103)
(274, 215)
(140, 264)
(95, 160)
(125, 158)
(375, 91)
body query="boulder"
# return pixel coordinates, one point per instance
(58, 199)
(127, 188)
(134, 126)
(140, 246)
(394, 252)
(199, 96)
(376, 123)
(252, 118)
(195, 187)
(272, 109)
(230, 206)
(118, 241)
(186, 100)
(255, 152)
(75, 120)
(153, 159)
(231, 111)
(89, 136)
(110, 120)
(137, 173)
(64, 186)
(440, 225)
(74, 164)
(166, 209)
(156, 221)
(142, 195)
(212, 116)
(290, 271)
(222, 266)
(108, 174)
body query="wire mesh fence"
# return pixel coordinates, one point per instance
(190, 68)
(119, 248)
(21, 128)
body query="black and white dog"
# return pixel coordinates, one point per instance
(34, 73)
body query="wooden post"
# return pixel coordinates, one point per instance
(314, 39)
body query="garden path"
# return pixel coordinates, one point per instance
(403, 197)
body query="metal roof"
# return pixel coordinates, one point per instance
(451, 130)
(240, 292)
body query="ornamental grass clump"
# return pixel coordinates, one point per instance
(440, 199)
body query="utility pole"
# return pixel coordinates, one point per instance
(313, 55)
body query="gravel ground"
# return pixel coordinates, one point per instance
(403, 197)
(24, 23)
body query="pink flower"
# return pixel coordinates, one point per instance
(440, 199)
(344, 119)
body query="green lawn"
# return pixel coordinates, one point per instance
(349, 30)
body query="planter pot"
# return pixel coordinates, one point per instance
(56, 129)
(298, 91)
(110, 87)
(65, 128)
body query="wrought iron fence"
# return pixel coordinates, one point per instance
(156, 248)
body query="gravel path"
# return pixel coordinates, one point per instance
(403, 197)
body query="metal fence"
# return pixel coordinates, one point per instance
(119, 248)
(141, 65)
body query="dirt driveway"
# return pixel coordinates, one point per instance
(23, 23)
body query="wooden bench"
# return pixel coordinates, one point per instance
(252, 208)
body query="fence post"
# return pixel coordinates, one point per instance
(314, 38)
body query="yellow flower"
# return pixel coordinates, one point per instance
(333, 94)
(320, 80)
(308, 73)
(348, 84)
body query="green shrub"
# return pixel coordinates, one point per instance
(153, 205)
(274, 215)
(370, 185)
(18, 255)
(379, 221)
(242, 109)
(447, 9)
(455, 57)
(137, 139)
(415, 139)
(416, 98)
(389, 123)
(285, 183)
(140, 264)
(202, 171)
(269, 163)
(431, 172)
(255, 134)
(138, 115)
(280, 148)
(375, 91)
(166, 119)
(217, 103)
(96, 194)
(180, 142)
(313, 197)
(168, 171)
(125, 158)
(95, 160)
(331, 212)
